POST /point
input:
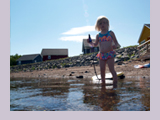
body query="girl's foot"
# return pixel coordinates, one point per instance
(114, 84)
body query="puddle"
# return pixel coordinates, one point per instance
(132, 94)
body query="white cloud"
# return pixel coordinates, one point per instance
(79, 33)
(79, 30)
(77, 38)
(73, 38)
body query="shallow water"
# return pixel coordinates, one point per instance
(132, 94)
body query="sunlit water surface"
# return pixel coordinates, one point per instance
(132, 94)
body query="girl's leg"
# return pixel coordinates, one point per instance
(102, 64)
(110, 63)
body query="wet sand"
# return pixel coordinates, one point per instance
(86, 71)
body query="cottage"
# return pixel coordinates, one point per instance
(144, 42)
(86, 48)
(145, 34)
(26, 59)
(50, 54)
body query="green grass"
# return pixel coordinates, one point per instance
(130, 46)
(33, 68)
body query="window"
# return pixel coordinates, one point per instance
(19, 62)
(49, 57)
(142, 41)
(35, 61)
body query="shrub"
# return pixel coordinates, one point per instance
(13, 59)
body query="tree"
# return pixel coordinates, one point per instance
(13, 59)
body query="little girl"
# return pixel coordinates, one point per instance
(107, 42)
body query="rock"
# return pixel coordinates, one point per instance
(86, 72)
(120, 63)
(59, 66)
(118, 56)
(80, 76)
(78, 61)
(124, 58)
(66, 66)
(88, 58)
(70, 74)
(121, 77)
(71, 65)
(117, 60)
(94, 62)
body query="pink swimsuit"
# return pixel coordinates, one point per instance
(104, 38)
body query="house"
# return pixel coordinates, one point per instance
(50, 54)
(26, 59)
(86, 48)
(144, 43)
(145, 34)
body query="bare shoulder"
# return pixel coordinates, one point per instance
(97, 40)
(112, 33)
(97, 35)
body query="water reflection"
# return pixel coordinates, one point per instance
(132, 94)
(105, 98)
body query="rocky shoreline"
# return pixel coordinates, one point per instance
(81, 66)
(123, 54)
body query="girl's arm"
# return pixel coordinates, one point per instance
(114, 40)
(92, 43)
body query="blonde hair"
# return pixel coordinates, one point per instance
(98, 21)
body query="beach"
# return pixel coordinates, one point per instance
(85, 72)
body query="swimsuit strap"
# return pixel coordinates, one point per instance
(106, 35)
(100, 34)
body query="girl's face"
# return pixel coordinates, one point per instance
(103, 24)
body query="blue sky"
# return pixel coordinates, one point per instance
(38, 24)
